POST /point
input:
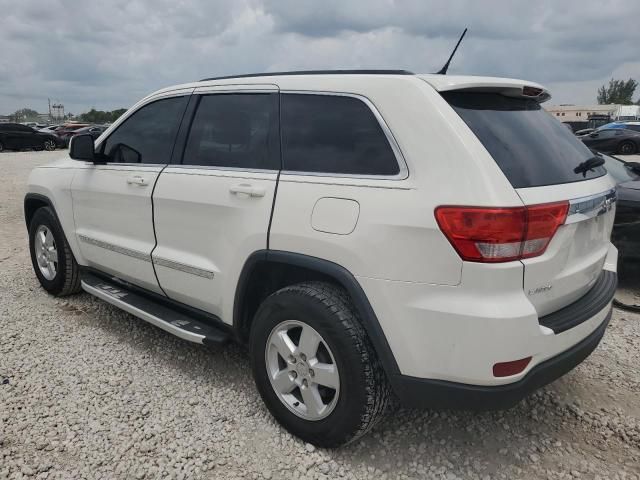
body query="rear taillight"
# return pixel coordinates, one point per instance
(501, 234)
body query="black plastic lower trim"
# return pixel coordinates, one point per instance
(584, 308)
(423, 393)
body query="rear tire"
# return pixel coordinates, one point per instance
(361, 393)
(52, 259)
(627, 148)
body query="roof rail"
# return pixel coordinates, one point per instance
(314, 72)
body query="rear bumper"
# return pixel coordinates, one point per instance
(421, 393)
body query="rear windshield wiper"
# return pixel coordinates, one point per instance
(588, 165)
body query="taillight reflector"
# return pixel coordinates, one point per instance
(500, 234)
(506, 369)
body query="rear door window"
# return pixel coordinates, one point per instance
(235, 131)
(531, 147)
(333, 134)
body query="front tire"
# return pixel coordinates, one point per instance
(314, 365)
(52, 259)
(49, 145)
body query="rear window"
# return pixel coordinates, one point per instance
(531, 148)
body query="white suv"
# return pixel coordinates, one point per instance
(366, 233)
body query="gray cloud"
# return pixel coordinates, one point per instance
(109, 54)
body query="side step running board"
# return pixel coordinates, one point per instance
(170, 319)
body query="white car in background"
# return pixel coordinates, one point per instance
(365, 233)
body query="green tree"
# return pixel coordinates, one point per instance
(99, 116)
(618, 91)
(24, 115)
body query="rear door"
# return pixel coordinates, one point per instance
(212, 208)
(112, 201)
(541, 159)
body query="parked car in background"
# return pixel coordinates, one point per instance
(68, 129)
(613, 140)
(50, 129)
(14, 136)
(626, 228)
(635, 126)
(95, 131)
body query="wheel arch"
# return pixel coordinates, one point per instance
(266, 271)
(34, 201)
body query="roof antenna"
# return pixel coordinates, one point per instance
(443, 70)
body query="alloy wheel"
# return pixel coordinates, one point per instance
(302, 370)
(46, 252)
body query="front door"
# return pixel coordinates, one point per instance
(212, 210)
(112, 201)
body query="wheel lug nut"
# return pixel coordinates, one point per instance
(294, 374)
(305, 383)
(303, 357)
(311, 372)
(292, 359)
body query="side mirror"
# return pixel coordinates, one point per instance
(593, 134)
(81, 148)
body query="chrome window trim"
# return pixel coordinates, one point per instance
(224, 169)
(403, 172)
(584, 208)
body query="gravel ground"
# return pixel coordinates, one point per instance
(87, 391)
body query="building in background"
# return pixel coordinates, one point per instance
(4, 119)
(580, 117)
(580, 113)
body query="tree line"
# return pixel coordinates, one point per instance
(92, 116)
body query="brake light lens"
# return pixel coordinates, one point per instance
(492, 235)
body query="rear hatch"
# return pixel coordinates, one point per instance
(541, 159)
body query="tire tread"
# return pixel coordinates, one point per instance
(338, 302)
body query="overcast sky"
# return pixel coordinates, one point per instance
(107, 54)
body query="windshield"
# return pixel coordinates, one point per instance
(531, 147)
(618, 170)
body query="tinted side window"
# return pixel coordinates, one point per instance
(238, 130)
(333, 134)
(148, 135)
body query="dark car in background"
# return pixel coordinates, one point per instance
(67, 130)
(626, 228)
(94, 130)
(613, 140)
(14, 136)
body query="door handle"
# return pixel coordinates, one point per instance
(248, 189)
(137, 180)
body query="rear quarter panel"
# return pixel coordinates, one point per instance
(396, 236)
